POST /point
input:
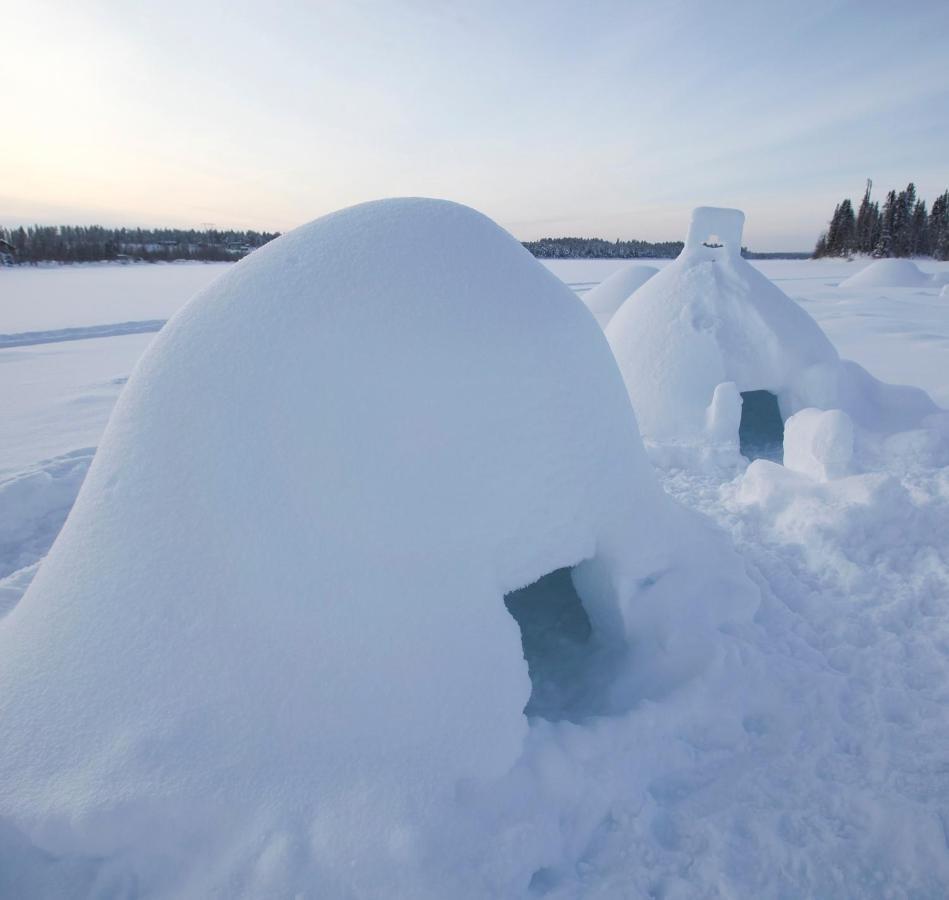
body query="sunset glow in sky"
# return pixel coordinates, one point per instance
(607, 119)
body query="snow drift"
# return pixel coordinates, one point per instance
(710, 328)
(888, 273)
(610, 294)
(270, 642)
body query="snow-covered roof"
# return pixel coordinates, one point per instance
(710, 326)
(276, 607)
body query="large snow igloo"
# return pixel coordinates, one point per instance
(716, 357)
(277, 606)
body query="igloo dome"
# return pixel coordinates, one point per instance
(612, 292)
(714, 355)
(888, 273)
(271, 636)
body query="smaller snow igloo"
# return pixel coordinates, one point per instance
(612, 292)
(888, 273)
(716, 357)
(276, 612)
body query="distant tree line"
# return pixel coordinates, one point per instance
(902, 228)
(93, 243)
(597, 248)
(781, 254)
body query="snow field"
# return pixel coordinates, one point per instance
(97, 295)
(799, 753)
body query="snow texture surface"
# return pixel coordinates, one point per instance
(609, 295)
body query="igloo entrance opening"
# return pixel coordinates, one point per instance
(761, 431)
(568, 667)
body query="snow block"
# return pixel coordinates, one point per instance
(723, 415)
(819, 443)
(712, 227)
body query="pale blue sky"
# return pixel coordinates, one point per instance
(593, 118)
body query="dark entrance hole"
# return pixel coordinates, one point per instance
(567, 667)
(761, 432)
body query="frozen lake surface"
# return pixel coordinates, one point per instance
(69, 347)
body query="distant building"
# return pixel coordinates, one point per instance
(237, 248)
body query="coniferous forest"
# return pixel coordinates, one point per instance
(71, 243)
(903, 227)
(597, 248)
(93, 243)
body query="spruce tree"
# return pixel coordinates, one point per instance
(939, 226)
(876, 227)
(903, 221)
(864, 238)
(848, 228)
(833, 233)
(919, 230)
(884, 244)
(842, 230)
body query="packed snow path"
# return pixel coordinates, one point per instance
(824, 775)
(58, 335)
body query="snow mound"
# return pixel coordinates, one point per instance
(610, 294)
(945, 291)
(888, 273)
(270, 644)
(710, 328)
